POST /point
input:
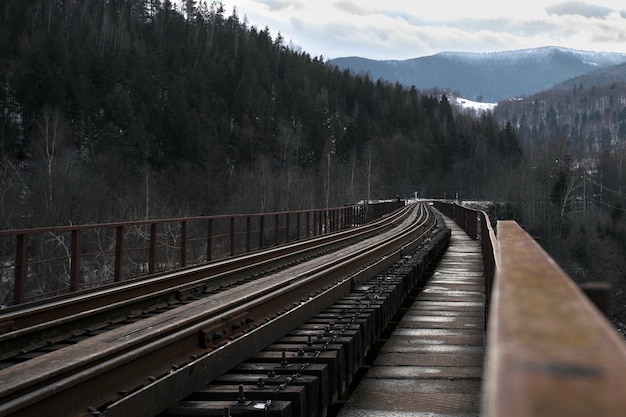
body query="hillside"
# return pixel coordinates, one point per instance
(130, 110)
(589, 110)
(488, 77)
(124, 110)
(574, 136)
(599, 77)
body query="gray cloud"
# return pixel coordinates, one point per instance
(352, 8)
(279, 5)
(579, 8)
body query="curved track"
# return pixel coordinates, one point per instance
(27, 329)
(189, 344)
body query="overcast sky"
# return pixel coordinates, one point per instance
(402, 29)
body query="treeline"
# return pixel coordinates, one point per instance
(572, 187)
(592, 116)
(573, 137)
(128, 109)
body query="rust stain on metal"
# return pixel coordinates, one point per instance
(550, 351)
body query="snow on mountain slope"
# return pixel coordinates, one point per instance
(490, 76)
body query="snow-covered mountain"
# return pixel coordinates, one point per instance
(490, 76)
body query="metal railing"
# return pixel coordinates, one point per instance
(550, 352)
(477, 225)
(39, 263)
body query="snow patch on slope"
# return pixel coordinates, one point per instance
(476, 106)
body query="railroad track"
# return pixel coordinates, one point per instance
(142, 363)
(37, 327)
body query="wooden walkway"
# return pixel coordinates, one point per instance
(432, 363)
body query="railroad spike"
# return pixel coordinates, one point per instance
(242, 397)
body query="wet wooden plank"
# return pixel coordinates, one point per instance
(432, 363)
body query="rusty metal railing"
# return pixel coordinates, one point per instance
(550, 351)
(39, 263)
(477, 225)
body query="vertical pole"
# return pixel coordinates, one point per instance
(308, 224)
(276, 221)
(319, 223)
(232, 236)
(183, 243)
(287, 227)
(119, 253)
(21, 267)
(209, 240)
(152, 250)
(261, 231)
(298, 226)
(248, 233)
(75, 261)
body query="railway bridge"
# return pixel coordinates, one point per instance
(420, 309)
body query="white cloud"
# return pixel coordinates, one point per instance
(397, 29)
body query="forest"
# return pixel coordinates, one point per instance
(122, 110)
(130, 109)
(573, 177)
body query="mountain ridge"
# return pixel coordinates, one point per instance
(489, 76)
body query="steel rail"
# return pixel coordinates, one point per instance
(34, 326)
(244, 324)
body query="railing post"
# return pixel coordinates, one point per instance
(75, 261)
(232, 236)
(153, 244)
(331, 214)
(287, 227)
(319, 223)
(209, 240)
(298, 226)
(183, 244)
(119, 253)
(248, 233)
(21, 268)
(308, 223)
(261, 231)
(276, 222)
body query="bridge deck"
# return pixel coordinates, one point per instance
(432, 363)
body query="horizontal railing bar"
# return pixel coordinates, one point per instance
(550, 351)
(59, 229)
(145, 247)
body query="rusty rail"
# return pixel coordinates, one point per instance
(550, 352)
(146, 366)
(40, 263)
